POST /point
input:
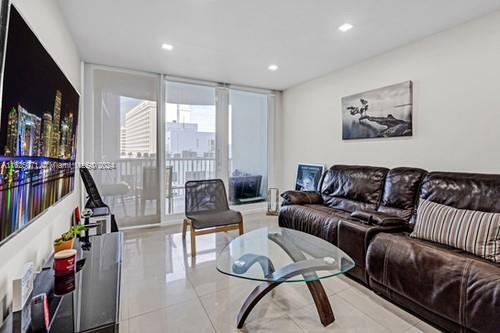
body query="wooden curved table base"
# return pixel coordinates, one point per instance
(305, 268)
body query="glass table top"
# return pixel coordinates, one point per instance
(282, 255)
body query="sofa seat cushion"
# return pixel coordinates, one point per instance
(460, 287)
(317, 220)
(327, 210)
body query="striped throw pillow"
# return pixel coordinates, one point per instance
(472, 231)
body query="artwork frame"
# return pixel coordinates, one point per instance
(385, 112)
(308, 176)
(31, 179)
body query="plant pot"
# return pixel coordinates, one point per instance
(66, 245)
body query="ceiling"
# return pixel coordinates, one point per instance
(234, 41)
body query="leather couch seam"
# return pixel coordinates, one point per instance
(385, 272)
(381, 198)
(463, 293)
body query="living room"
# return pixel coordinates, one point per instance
(263, 166)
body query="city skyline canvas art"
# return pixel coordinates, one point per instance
(38, 125)
(379, 113)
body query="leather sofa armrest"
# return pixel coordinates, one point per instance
(301, 198)
(378, 218)
(354, 236)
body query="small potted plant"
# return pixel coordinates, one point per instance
(65, 242)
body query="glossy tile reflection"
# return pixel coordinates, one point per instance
(165, 290)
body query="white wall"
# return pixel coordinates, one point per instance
(34, 243)
(456, 106)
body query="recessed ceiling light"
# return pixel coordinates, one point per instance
(345, 27)
(273, 68)
(168, 47)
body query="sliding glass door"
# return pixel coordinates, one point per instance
(121, 143)
(190, 139)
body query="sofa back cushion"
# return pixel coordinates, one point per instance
(473, 191)
(351, 187)
(473, 231)
(401, 191)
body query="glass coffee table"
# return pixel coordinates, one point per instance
(278, 255)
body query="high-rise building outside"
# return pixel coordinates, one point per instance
(185, 141)
(140, 129)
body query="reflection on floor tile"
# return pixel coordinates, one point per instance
(380, 310)
(188, 317)
(422, 327)
(165, 290)
(347, 319)
(152, 294)
(223, 307)
(337, 284)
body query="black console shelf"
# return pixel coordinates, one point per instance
(88, 301)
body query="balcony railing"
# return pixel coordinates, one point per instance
(130, 170)
(140, 200)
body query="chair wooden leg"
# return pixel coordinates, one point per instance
(184, 229)
(241, 227)
(193, 241)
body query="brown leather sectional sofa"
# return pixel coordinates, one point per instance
(454, 290)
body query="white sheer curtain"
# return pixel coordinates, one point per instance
(248, 146)
(121, 141)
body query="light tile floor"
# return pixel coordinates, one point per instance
(165, 290)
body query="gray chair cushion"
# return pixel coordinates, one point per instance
(207, 219)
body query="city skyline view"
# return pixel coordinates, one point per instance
(190, 129)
